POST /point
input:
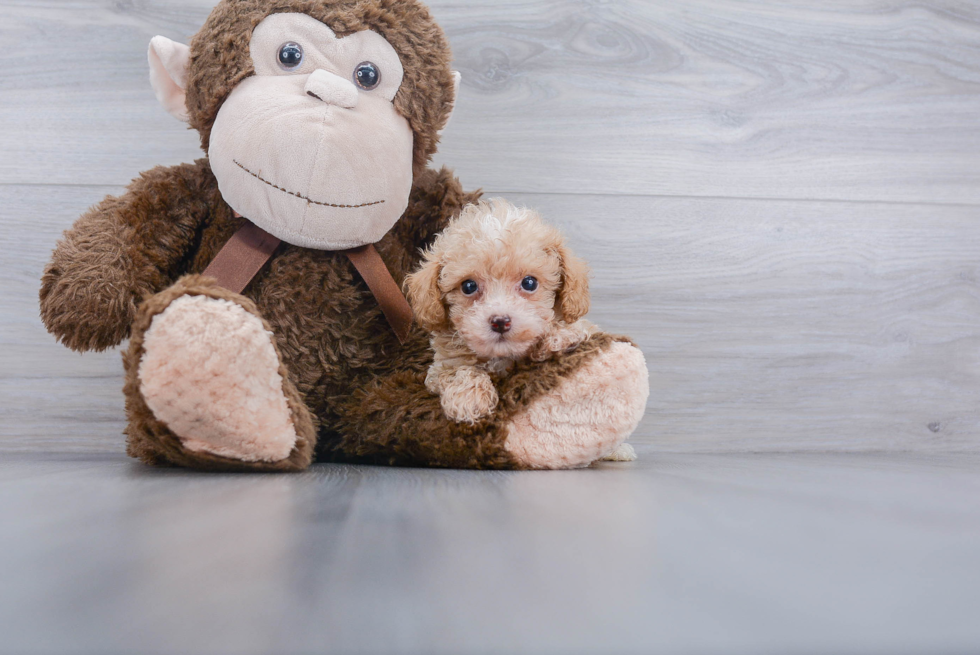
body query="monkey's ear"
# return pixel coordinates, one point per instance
(573, 295)
(168, 74)
(422, 288)
(457, 78)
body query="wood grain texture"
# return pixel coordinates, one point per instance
(866, 100)
(862, 100)
(51, 399)
(767, 326)
(681, 146)
(670, 554)
(789, 325)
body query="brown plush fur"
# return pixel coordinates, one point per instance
(125, 249)
(354, 392)
(395, 420)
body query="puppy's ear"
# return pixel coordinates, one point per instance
(422, 288)
(572, 300)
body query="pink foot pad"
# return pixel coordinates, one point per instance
(587, 416)
(210, 372)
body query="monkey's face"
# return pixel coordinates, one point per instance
(311, 148)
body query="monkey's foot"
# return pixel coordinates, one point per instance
(587, 416)
(210, 373)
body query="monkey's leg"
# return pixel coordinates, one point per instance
(587, 416)
(205, 386)
(562, 413)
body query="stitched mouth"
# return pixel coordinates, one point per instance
(301, 196)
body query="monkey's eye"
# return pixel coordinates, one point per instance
(469, 287)
(367, 75)
(529, 284)
(290, 55)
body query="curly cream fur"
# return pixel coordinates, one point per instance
(496, 245)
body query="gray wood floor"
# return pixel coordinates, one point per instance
(781, 204)
(675, 553)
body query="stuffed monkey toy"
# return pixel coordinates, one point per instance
(259, 286)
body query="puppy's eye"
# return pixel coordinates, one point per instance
(469, 287)
(367, 75)
(529, 284)
(290, 55)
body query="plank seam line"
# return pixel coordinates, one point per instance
(671, 196)
(578, 194)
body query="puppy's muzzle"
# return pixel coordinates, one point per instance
(500, 324)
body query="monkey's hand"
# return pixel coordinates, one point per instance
(121, 251)
(469, 395)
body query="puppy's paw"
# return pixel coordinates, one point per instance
(469, 396)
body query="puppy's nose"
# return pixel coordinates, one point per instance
(331, 89)
(500, 324)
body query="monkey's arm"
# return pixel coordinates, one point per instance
(121, 251)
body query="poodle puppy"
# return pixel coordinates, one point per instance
(497, 285)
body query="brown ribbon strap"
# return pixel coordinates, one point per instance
(242, 257)
(372, 268)
(248, 250)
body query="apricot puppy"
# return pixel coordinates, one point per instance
(497, 285)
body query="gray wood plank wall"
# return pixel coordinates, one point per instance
(780, 200)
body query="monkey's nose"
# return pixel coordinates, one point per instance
(331, 89)
(500, 324)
